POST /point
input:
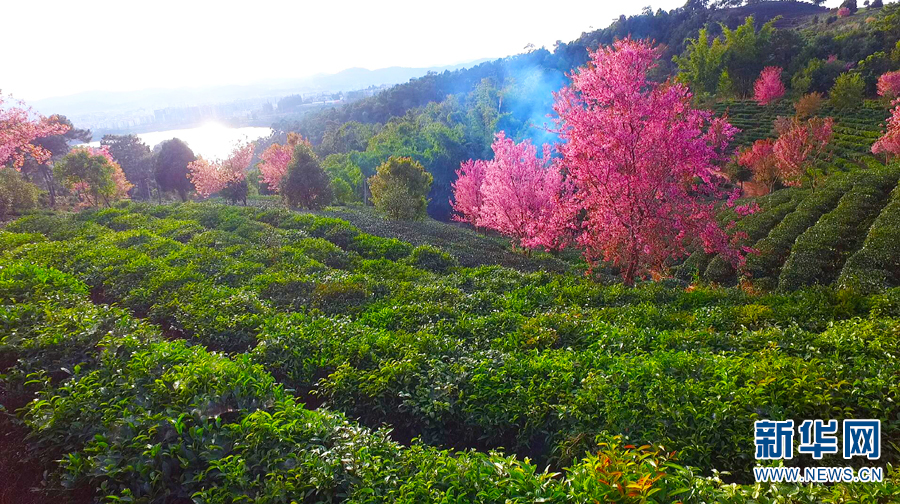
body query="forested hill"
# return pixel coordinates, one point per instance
(672, 28)
(443, 119)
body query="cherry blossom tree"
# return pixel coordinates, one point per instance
(643, 163)
(19, 126)
(843, 12)
(467, 196)
(518, 193)
(768, 88)
(213, 177)
(889, 143)
(889, 85)
(801, 146)
(275, 160)
(760, 160)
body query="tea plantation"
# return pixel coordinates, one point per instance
(218, 354)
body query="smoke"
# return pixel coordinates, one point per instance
(529, 103)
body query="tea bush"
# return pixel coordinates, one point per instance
(491, 362)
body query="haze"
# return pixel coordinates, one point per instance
(124, 46)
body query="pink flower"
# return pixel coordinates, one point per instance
(768, 88)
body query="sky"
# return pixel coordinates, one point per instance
(65, 47)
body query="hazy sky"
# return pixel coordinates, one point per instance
(55, 48)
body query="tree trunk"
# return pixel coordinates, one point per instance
(51, 191)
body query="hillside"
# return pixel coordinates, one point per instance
(439, 294)
(320, 321)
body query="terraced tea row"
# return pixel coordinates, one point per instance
(537, 363)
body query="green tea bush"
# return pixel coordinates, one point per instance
(431, 258)
(876, 266)
(774, 249)
(819, 253)
(544, 365)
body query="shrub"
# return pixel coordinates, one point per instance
(876, 266)
(376, 247)
(821, 250)
(305, 185)
(339, 297)
(847, 92)
(171, 159)
(808, 105)
(431, 258)
(17, 195)
(399, 189)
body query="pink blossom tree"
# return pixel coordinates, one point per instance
(801, 146)
(889, 85)
(889, 143)
(19, 126)
(521, 194)
(467, 195)
(643, 163)
(768, 88)
(843, 12)
(760, 160)
(276, 158)
(213, 177)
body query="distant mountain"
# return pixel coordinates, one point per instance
(100, 102)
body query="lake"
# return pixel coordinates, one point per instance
(212, 140)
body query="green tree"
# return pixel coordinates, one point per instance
(350, 136)
(80, 167)
(701, 65)
(134, 156)
(848, 91)
(745, 53)
(58, 145)
(400, 187)
(725, 87)
(346, 178)
(170, 167)
(305, 184)
(850, 4)
(17, 195)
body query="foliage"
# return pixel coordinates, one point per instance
(889, 143)
(800, 147)
(275, 159)
(873, 268)
(135, 159)
(93, 175)
(847, 92)
(305, 184)
(399, 188)
(228, 176)
(17, 195)
(556, 367)
(172, 158)
(346, 178)
(760, 160)
(819, 253)
(701, 67)
(808, 105)
(653, 142)
(520, 194)
(768, 88)
(19, 127)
